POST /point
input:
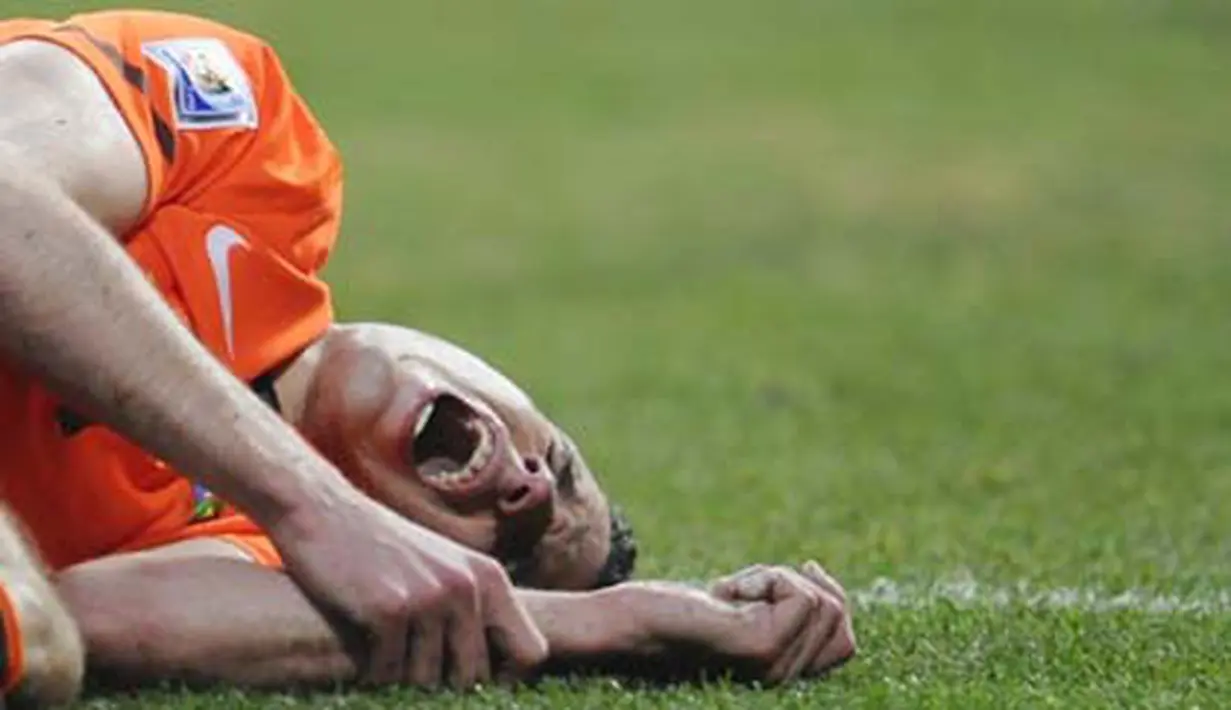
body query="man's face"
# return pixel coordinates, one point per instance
(441, 437)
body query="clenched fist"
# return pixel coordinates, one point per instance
(767, 623)
(798, 623)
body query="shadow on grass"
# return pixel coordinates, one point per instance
(691, 670)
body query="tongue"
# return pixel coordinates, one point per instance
(438, 465)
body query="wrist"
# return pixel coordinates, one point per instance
(635, 611)
(296, 510)
(581, 626)
(682, 616)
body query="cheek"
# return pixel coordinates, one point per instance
(559, 568)
(408, 497)
(397, 487)
(566, 561)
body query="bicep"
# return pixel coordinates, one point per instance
(63, 129)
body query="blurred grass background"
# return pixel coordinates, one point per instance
(912, 288)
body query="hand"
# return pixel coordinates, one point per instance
(419, 595)
(805, 624)
(769, 623)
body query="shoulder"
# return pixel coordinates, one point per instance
(64, 124)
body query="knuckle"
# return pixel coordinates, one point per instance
(488, 573)
(833, 603)
(777, 571)
(393, 606)
(458, 588)
(817, 601)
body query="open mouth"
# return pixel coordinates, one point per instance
(452, 445)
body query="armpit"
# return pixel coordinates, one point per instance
(59, 119)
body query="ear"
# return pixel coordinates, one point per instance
(350, 388)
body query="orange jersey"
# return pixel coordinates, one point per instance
(243, 209)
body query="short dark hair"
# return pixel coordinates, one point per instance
(622, 556)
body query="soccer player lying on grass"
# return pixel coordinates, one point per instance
(447, 441)
(182, 140)
(136, 142)
(444, 439)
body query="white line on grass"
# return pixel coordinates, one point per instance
(969, 593)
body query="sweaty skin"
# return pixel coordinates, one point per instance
(75, 312)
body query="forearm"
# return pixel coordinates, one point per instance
(636, 619)
(206, 621)
(78, 313)
(224, 621)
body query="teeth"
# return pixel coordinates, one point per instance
(478, 462)
(453, 478)
(482, 453)
(424, 417)
(449, 474)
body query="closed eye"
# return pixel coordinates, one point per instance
(563, 465)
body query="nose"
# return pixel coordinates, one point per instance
(524, 511)
(526, 496)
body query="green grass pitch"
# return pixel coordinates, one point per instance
(936, 293)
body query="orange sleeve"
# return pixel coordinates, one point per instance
(219, 123)
(241, 297)
(231, 527)
(258, 547)
(291, 165)
(245, 193)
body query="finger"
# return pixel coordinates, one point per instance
(788, 618)
(767, 584)
(427, 654)
(822, 627)
(752, 587)
(512, 632)
(727, 588)
(788, 584)
(836, 652)
(841, 647)
(762, 583)
(467, 645)
(818, 575)
(387, 660)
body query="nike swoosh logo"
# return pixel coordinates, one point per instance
(218, 244)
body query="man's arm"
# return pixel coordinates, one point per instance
(76, 312)
(208, 619)
(211, 619)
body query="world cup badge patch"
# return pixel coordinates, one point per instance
(209, 88)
